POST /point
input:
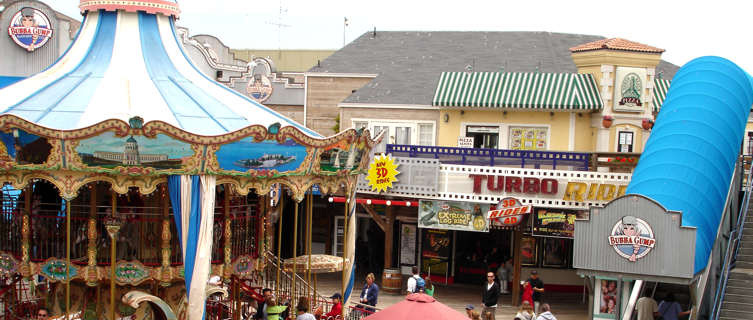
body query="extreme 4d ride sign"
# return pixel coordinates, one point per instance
(30, 28)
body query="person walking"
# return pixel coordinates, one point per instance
(370, 292)
(546, 313)
(503, 274)
(646, 307)
(538, 290)
(525, 312)
(490, 297)
(669, 309)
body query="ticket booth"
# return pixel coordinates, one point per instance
(631, 242)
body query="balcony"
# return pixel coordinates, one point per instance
(563, 160)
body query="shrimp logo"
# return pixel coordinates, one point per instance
(632, 238)
(30, 28)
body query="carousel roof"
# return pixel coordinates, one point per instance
(127, 61)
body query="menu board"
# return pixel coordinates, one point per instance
(407, 244)
(453, 215)
(554, 223)
(528, 138)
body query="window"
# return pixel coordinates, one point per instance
(483, 136)
(400, 131)
(402, 135)
(425, 134)
(528, 138)
(360, 124)
(625, 142)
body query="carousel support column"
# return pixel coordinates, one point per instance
(165, 274)
(295, 248)
(112, 230)
(67, 257)
(91, 232)
(517, 235)
(228, 234)
(26, 233)
(279, 242)
(345, 248)
(309, 224)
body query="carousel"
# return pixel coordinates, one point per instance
(130, 176)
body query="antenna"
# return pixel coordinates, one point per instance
(279, 25)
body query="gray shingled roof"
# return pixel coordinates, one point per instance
(408, 63)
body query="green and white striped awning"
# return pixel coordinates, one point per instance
(547, 91)
(661, 87)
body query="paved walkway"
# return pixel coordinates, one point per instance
(457, 296)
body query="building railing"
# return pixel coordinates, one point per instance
(564, 160)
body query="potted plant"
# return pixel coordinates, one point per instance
(606, 121)
(647, 123)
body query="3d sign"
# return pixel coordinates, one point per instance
(30, 28)
(509, 212)
(382, 173)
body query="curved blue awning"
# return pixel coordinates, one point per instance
(690, 157)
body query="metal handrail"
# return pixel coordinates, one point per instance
(272, 259)
(733, 244)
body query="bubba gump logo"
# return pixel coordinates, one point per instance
(30, 28)
(632, 238)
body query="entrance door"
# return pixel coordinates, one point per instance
(483, 136)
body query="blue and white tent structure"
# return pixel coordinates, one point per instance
(125, 105)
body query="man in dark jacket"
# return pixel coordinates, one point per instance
(490, 297)
(261, 311)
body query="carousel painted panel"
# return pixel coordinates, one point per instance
(21, 149)
(133, 154)
(56, 270)
(130, 273)
(270, 158)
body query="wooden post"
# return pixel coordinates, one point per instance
(517, 235)
(390, 213)
(295, 249)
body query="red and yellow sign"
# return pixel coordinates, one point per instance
(509, 212)
(382, 173)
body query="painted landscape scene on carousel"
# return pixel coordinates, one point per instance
(25, 148)
(340, 156)
(246, 154)
(108, 151)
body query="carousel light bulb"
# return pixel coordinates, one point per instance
(389, 203)
(407, 203)
(330, 200)
(368, 201)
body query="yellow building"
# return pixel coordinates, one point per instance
(608, 106)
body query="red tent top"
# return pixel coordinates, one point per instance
(418, 306)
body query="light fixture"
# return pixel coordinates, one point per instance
(462, 112)
(446, 117)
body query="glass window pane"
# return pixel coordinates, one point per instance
(402, 135)
(360, 124)
(425, 133)
(528, 138)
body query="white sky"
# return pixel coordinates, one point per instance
(686, 29)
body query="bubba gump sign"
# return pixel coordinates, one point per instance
(547, 187)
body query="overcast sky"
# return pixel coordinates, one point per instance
(686, 29)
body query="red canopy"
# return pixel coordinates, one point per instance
(418, 306)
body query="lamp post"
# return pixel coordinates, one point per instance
(112, 225)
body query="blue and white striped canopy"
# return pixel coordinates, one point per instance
(126, 64)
